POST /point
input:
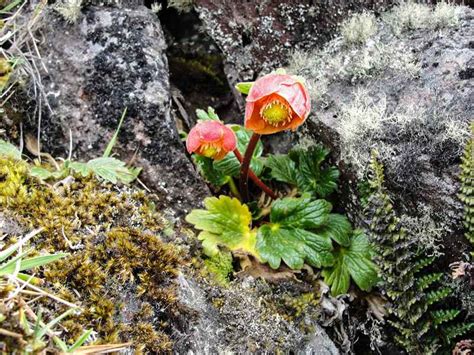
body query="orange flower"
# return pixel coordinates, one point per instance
(276, 102)
(211, 139)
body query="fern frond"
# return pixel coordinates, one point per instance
(437, 295)
(425, 281)
(444, 315)
(457, 330)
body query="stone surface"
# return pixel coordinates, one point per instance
(243, 322)
(112, 59)
(257, 36)
(412, 103)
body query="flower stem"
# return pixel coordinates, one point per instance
(233, 188)
(255, 178)
(245, 167)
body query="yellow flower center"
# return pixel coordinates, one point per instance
(276, 113)
(210, 150)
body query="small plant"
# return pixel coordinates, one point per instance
(422, 325)
(298, 227)
(106, 167)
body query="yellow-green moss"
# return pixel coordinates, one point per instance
(219, 267)
(118, 266)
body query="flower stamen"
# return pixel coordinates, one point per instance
(276, 113)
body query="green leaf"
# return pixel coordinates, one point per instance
(294, 246)
(112, 142)
(206, 168)
(230, 165)
(206, 116)
(244, 87)
(312, 177)
(353, 261)
(300, 212)
(302, 168)
(9, 150)
(40, 172)
(338, 228)
(283, 169)
(225, 222)
(113, 170)
(81, 168)
(288, 236)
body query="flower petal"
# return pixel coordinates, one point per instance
(297, 96)
(193, 141)
(210, 131)
(268, 85)
(229, 141)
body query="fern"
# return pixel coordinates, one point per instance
(456, 330)
(467, 186)
(437, 295)
(401, 261)
(444, 315)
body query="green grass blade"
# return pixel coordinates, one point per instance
(10, 266)
(11, 249)
(112, 142)
(56, 320)
(10, 6)
(30, 263)
(61, 344)
(79, 342)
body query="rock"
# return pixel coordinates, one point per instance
(236, 319)
(409, 96)
(257, 37)
(112, 59)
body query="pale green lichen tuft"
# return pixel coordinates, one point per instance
(359, 28)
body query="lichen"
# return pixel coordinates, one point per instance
(359, 28)
(118, 264)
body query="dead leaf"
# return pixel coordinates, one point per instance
(251, 267)
(376, 305)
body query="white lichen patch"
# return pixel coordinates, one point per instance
(336, 63)
(412, 16)
(366, 124)
(359, 28)
(69, 9)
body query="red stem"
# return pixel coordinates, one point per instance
(255, 178)
(244, 170)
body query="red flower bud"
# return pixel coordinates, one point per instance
(276, 102)
(211, 139)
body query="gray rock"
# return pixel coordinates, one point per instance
(258, 36)
(243, 323)
(408, 96)
(113, 59)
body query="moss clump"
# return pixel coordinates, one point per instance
(300, 304)
(119, 272)
(219, 267)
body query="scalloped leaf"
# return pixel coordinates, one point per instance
(9, 150)
(224, 223)
(110, 169)
(288, 237)
(302, 168)
(206, 168)
(353, 261)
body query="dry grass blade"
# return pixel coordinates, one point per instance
(101, 349)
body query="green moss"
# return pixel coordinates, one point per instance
(300, 304)
(118, 266)
(219, 267)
